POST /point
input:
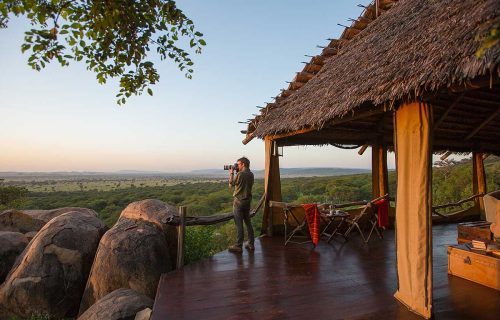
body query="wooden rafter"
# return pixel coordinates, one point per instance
(329, 124)
(303, 77)
(450, 108)
(485, 122)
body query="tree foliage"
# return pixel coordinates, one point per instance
(11, 196)
(488, 40)
(112, 37)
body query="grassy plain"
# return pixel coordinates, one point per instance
(110, 194)
(101, 182)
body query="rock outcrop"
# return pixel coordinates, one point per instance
(47, 215)
(25, 221)
(11, 246)
(51, 273)
(18, 221)
(121, 304)
(156, 212)
(132, 254)
(30, 235)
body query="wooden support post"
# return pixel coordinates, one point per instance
(181, 235)
(380, 183)
(272, 186)
(478, 182)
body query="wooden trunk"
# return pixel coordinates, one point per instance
(477, 230)
(477, 267)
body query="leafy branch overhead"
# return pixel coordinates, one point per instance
(112, 37)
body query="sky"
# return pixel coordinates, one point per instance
(61, 119)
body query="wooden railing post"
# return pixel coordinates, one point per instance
(181, 235)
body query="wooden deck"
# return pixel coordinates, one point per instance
(334, 281)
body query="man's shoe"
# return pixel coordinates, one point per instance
(235, 248)
(249, 247)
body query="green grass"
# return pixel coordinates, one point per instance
(209, 197)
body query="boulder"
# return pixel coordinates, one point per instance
(50, 275)
(33, 220)
(150, 210)
(132, 254)
(11, 245)
(144, 314)
(156, 212)
(18, 221)
(121, 304)
(47, 215)
(30, 235)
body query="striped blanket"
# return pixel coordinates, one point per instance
(313, 221)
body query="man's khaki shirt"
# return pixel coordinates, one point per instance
(243, 184)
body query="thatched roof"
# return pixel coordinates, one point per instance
(415, 48)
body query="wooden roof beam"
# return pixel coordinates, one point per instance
(463, 146)
(446, 155)
(328, 52)
(280, 98)
(295, 85)
(361, 19)
(248, 138)
(303, 76)
(319, 60)
(334, 43)
(450, 108)
(331, 123)
(478, 83)
(353, 27)
(485, 122)
(483, 101)
(286, 93)
(312, 67)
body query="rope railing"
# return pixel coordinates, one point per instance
(181, 221)
(454, 204)
(174, 220)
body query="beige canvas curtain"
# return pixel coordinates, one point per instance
(413, 123)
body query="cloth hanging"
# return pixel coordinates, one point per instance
(413, 131)
(382, 212)
(313, 221)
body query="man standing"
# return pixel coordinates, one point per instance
(243, 183)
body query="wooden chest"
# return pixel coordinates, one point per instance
(477, 230)
(477, 267)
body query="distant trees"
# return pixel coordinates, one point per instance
(451, 182)
(113, 38)
(11, 196)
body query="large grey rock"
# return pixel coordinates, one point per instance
(47, 215)
(11, 245)
(132, 254)
(50, 274)
(18, 221)
(121, 304)
(156, 212)
(150, 210)
(25, 221)
(30, 235)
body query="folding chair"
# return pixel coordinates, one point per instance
(369, 215)
(300, 230)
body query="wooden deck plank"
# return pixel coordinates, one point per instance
(336, 281)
